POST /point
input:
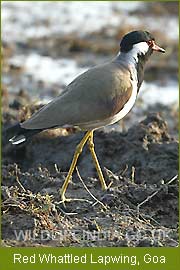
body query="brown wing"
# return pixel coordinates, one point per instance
(95, 95)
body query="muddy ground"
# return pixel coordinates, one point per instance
(139, 160)
(140, 208)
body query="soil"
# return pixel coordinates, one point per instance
(140, 208)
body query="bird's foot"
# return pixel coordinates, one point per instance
(106, 187)
(64, 199)
(110, 184)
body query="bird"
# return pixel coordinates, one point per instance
(100, 96)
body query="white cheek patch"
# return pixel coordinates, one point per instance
(139, 48)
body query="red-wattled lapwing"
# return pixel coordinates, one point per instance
(101, 96)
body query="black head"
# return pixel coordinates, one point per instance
(141, 52)
(134, 37)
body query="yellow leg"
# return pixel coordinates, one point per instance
(78, 151)
(98, 168)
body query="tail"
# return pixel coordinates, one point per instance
(20, 134)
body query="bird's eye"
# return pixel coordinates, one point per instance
(150, 42)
